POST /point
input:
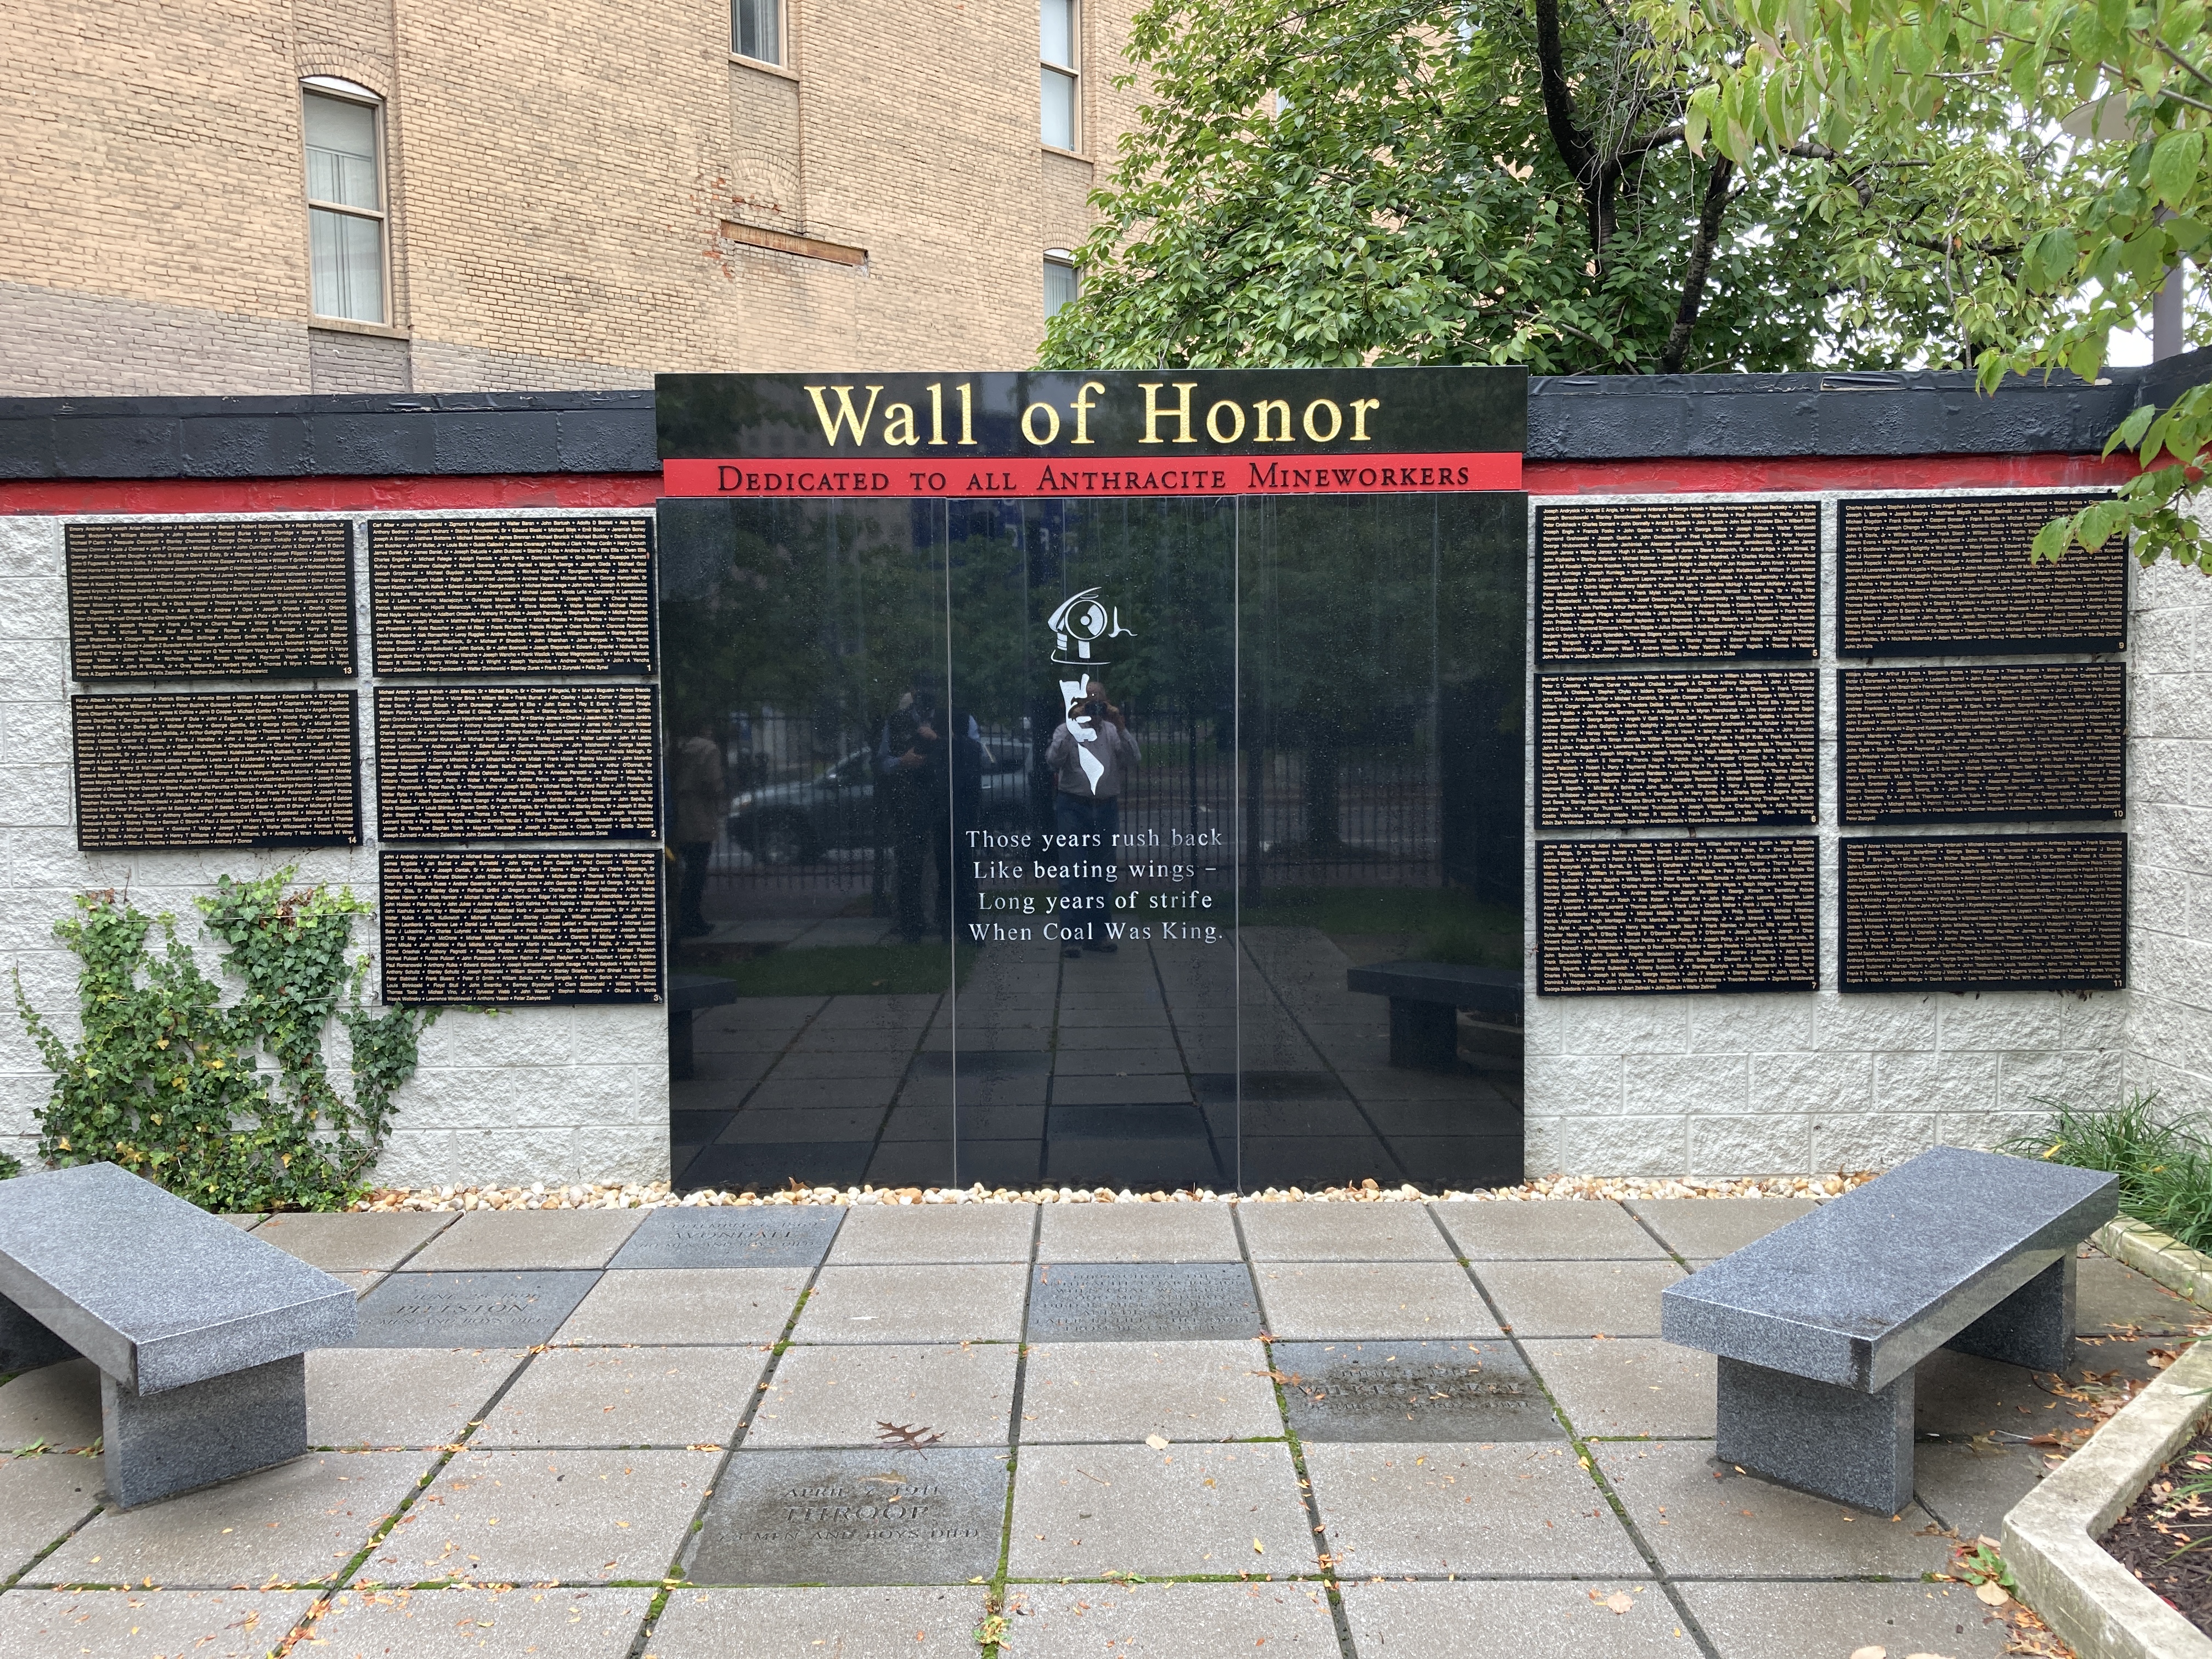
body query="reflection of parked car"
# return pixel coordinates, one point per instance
(797, 822)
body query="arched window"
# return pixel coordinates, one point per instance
(346, 242)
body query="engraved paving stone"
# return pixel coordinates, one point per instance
(190, 599)
(1411, 1391)
(1676, 915)
(519, 927)
(1926, 744)
(1964, 913)
(469, 1310)
(854, 1517)
(1736, 746)
(515, 762)
(263, 769)
(679, 1238)
(1142, 1301)
(569, 595)
(1929, 574)
(1677, 580)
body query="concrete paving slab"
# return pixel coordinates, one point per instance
(889, 1395)
(520, 1241)
(1971, 1486)
(627, 1397)
(392, 1397)
(451, 1310)
(1528, 1621)
(854, 1517)
(58, 1404)
(679, 1235)
(1574, 1231)
(2110, 1296)
(1453, 1508)
(562, 1623)
(1703, 1520)
(1961, 1395)
(245, 1221)
(530, 1517)
(1813, 1620)
(1169, 1621)
(1579, 1298)
(1142, 1301)
(1339, 1301)
(975, 1302)
(1412, 1392)
(1635, 1385)
(366, 1241)
(850, 1623)
(41, 1497)
(1706, 1229)
(297, 1524)
(1138, 1232)
(147, 1623)
(663, 1305)
(885, 1233)
(1125, 1391)
(1084, 1511)
(1343, 1233)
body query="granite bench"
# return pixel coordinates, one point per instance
(200, 1331)
(687, 994)
(1425, 998)
(1819, 1325)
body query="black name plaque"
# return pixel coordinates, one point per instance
(210, 769)
(518, 928)
(538, 762)
(1730, 746)
(1619, 917)
(1931, 744)
(1984, 913)
(209, 598)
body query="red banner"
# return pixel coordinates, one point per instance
(1023, 475)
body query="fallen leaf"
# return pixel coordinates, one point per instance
(1258, 1548)
(1871, 1653)
(1991, 1594)
(1157, 1442)
(1620, 1602)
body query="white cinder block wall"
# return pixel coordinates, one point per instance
(529, 1094)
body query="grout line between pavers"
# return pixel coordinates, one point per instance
(994, 1594)
(1581, 1445)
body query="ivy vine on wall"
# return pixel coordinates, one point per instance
(231, 1106)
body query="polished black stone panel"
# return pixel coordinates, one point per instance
(538, 762)
(1672, 580)
(278, 769)
(1408, 1392)
(1984, 913)
(1984, 743)
(853, 1517)
(1141, 1301)
(1737, 746)
(566, 594)
(1927, 576)
(469, 1310)
(677, 1238)
(185, 599)
(1617, 917)
(521, 926)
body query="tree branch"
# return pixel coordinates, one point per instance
(1573, 144)
(1701, 262)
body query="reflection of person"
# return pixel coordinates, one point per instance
(1089, 752)
(701, 803)
(906, 755)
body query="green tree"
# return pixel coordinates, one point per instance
(2107, 102)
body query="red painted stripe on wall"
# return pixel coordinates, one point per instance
(1721, 476)
(1119, 474)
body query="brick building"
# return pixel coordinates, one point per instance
(369, 196)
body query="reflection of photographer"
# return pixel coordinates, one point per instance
(930, 762)
(1089, 752)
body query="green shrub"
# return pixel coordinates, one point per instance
(170, 1082)
(2165, 1165)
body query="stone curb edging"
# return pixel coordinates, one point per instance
(2152, 1253)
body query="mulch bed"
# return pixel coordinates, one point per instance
(2153, 1537)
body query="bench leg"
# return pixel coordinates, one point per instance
(2033, 1327)
(26, 1344)
(1838, 1443)
(159, 1444)
(1423, 1035)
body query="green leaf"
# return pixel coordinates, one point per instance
(2174, 165)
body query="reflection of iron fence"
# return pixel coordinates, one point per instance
(809, 805)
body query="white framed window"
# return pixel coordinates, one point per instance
(346, 250)
(756, 30)
(1057, 74)
(1060, 280)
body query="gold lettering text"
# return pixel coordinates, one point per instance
(832, 425)
(1083, 406)
(1028, 428)
(1154, 413)
(1336, 420)
(1263, 409)
(1359, 408)
(898, 419)
(1213, 423)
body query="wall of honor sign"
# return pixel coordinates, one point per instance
(1675, 579)
(1937, 574)
(521, 926)
(1620, 916)
(199, 598)
(261, 769)
(535, 763)
(1985, 913)
(570, 595)
(1929, 744)
(1736, 746)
